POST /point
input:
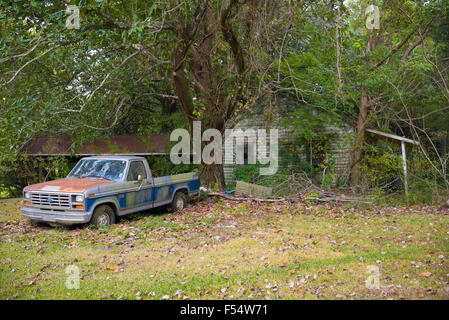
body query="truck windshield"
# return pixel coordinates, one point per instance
(99, 168)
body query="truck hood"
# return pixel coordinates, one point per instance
(67, 185)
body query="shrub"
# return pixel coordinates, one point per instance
(16, 175)
(381, 170)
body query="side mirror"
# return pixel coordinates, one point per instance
(139, 178)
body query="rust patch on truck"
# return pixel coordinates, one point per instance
(67, 185)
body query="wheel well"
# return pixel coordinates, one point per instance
(183, 190)
(110, 204)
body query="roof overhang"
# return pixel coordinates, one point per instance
(130, 145)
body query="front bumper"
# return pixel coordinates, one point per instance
(66, 217)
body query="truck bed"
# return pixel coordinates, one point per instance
(176, 178)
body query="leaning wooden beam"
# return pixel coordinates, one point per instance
(393, 136)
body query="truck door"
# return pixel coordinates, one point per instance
(139, 191)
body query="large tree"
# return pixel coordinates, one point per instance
(132, 63)
(85, 80)
(387, 54)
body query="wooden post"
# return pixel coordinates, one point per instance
(404, 165)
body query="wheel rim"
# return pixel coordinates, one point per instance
(103, 219)
(180, 204)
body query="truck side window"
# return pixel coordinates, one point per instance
(136, 168)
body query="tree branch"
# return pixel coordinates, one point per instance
(402, 43)
(28, 62)
(229, 36)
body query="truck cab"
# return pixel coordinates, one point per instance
(101, 188)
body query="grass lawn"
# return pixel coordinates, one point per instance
(231, 250)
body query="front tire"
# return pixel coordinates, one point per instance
(179, 201)
(103, 216)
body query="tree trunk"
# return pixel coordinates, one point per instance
(362, 118)
(197, 73)
(212, 176)
(360, 139)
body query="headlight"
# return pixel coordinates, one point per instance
(26, 195)
(79, 199)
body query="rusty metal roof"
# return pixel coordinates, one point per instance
(128, 144)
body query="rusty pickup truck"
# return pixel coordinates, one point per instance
(101, 188)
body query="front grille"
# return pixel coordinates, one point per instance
(50, 200)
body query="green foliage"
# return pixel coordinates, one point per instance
(293, 157)
(293, 168)
(380, 169)
(421, 170)
(307, 124)
(65, 90)
(114, 74)
(311, 202)
(162, 166)
(329, 172)
(248, 173)
(16, 175)
(382, 173)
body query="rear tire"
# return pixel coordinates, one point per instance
(179, 201)
(103, 216)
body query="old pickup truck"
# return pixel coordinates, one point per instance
(101, 188)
